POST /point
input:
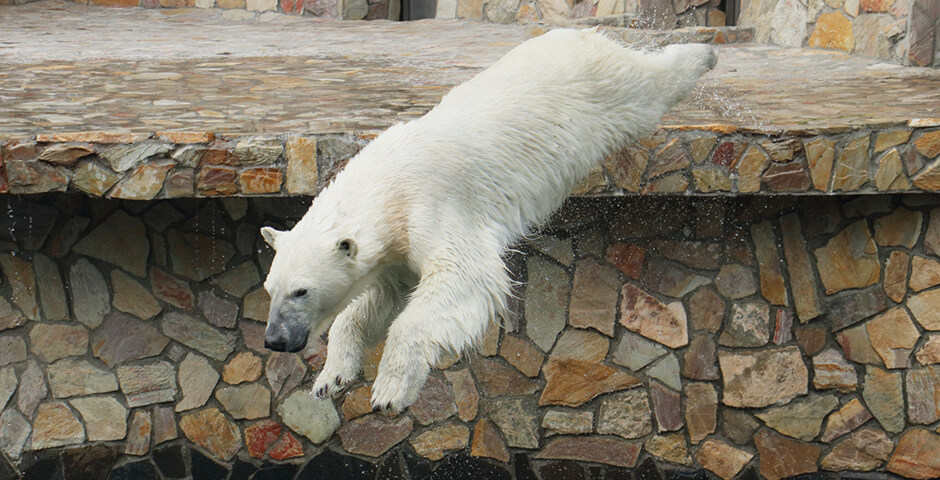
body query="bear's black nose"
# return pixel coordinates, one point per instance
(276, 341)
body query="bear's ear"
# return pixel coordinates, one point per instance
(270, 235)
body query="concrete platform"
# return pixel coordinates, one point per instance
(221, 74)
(66, 67)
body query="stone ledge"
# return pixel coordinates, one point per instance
(698, 160)
(188, 117)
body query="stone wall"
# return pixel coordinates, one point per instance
(710, 159)
(771, 336)
(339, 9)
(897, 30)
(654, 14)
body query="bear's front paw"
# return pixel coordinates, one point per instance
(397, 391)
(330, 382)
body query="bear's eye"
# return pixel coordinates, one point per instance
(344, 245)
(299, 293)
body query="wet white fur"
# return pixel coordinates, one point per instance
(433, 204)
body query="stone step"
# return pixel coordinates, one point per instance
(217, 104)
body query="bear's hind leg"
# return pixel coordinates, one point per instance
(448, 312)
(355, 328)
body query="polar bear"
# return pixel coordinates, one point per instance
(407, 242)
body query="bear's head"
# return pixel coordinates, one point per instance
(310, 278)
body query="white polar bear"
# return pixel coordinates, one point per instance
(408, 241)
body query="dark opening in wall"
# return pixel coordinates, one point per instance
(418, 9)
(732, 8)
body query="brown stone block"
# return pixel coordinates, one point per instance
(863, 451)
(96, 137)
(773, 287)
(212, 431)
(497, 379)
(487, 442)
(594, 297)
(626, 167)
(895, 283)
(573, 382)
(644, 314)
(764, 377)
(722, 459)
(187, 137)
(374, 435)
(522, 354)
(849, 417)
(259, 181)
(917, 455)
(701, 410)
(893, 336)
(833, 30)
(849, 260)
(606, 450)
(820, 154)
(890, 174)
(781, 457)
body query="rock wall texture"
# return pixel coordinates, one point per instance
(770, 336)
(898, 30)
(703, 160)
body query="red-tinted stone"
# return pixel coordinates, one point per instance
(607, 450)
(487, 442)
(666, 407)
(627, 257)
(171, 289)
(216, 181)
(782, 457)
(295, 7)
(260, 436)
(917, 455)
(373, 435)
(287, 447)
(727, 154)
